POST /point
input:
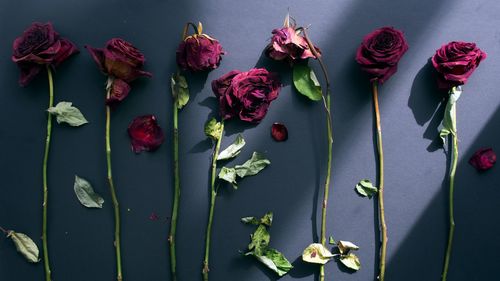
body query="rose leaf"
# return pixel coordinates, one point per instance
(365, 188)
(232, 150)
(213, 129)
(252, 166)
(346, 246)
(274, 260)
(250, 220)
(66, 113)
(25, 246)
(86, 195)
(259, 240)
(351, 261)
(305, 82)
(180, 90)
(229, 175)
(449, 124)
(317, 253)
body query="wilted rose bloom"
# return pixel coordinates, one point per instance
(286, 43)
(380, 53)
(455, 62)
(246, 95)
(279, 132)
(122, 62)
(199, 52)
(145, 134)
(40, 45)
(483, 159)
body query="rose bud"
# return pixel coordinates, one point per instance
(455, 62)
(380, 53)
(199, 52)
(39, 46)
(483, 159)
(145, 134)
(279, 132)
(246, 95)
(288, 44)
(119, 59)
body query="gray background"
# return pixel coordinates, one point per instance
(81, 240)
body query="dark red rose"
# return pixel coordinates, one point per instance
(40, 45)
(279, 132)
(199, 52)
(455, 63)
(119, 91)
(145, 134)
(380, 53)
(119, 59)
(483, 159)
(287, 44)
(246, 95)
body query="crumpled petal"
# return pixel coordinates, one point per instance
(145, 134)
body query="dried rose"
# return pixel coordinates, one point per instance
(288, 43)
(145, 134)
(246, 95)
(40, 45)
(455, 62)
(483, 159)
(279, 132)
(199, 52)
(380, 53)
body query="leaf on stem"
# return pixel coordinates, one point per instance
(86, 194)
(66, 113)
(449, 124)
(306, 83)
(24, 245)
(366, 188)
(180, 90)
(213, 129)
(317, 253)
(252, 166)
(232, 150)
(351, 261)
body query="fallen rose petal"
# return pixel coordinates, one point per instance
(483, 159)
(145, 134)
(279, 132)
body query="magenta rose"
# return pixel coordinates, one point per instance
(380, 53)
(122, 62)
(145, 134)
(455, 62)
(246, 95)
(199, 52)
(287, 44)
(39, 46)
(483, 159)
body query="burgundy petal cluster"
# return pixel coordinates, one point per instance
(122, 62)
(145, 134)
(483, 159)
(39, 46)
(246, 95)
(279, 132)
(380, 52)
(289, 44)
(455, 62)
(199, 52)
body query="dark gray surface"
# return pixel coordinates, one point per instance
(81, 240)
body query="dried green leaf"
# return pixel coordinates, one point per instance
(365, 188)
(86, 194)
(259, 240)
(305, 82)
(252, 166)
(351, 261)
(24, 245)
(232, 150)
(274, 260)
(66, 113)
(267, 219)
(213, 129)
(229, 175)
(331, 241)
(180, 90)
(449, 124)
(346, 246)
(250, 220)
(317, 253)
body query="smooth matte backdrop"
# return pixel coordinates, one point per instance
(81, 240)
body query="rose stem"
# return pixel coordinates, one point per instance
(452, 188)
(326, 102)
(213, 195)
(383, 226)
(112, 187)
(45, 186)
(177, 194)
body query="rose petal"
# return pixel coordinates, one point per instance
(145, 134)
(483, 159)
(279, 132)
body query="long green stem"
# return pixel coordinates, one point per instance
(45, 247)
(177, 194)
(213, 195)
(383, 226)
(119, 276)
(452, 189)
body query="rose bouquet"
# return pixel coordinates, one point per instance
(378, 55)
(454, 62)
(41, 48)
(122, 63)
